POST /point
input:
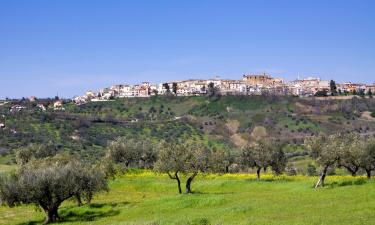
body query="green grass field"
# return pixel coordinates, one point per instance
(146, 198)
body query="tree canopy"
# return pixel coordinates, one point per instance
(49, 182)
(262, 154)
(182, 157)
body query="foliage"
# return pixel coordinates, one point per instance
(87, 129)
(132, 153)
(182, 157)
(50, 182)
(321, 93)
(213, 92)
(367, 158)
(220, 160)
(311, 170)
(263, 154)
(333, 87)
(325, 150)
(35, 151)
(350, 152)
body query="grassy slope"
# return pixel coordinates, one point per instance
(151, 199)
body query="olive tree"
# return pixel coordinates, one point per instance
(187, 158)
(367, 159)
(197, 162)
(350, 151)
(35, 151)
(171, 160)
(263, 154)
(278, 159)
(324, 149)
(131, 153)
(49, 182)
(220, 160)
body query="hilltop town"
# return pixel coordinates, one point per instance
(252, 84)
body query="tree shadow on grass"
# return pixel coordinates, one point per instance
(101, 205)
(346, 183)
(212, 193)
(72, 216)
(86, 213)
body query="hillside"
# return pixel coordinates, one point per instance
(230, 120)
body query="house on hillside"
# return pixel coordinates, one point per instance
(41, 107)
(32, 98)
(370, 87)
(308, 86)
(58, 105)
(17, 108)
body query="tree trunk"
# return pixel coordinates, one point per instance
(52, 215)
(79, 200)
(353, 171)
(321, 180)
(368, 172)
(175, 177)
(258, 173)
(179, 184)
(188, 183)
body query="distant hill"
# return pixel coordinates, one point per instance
(228, 120)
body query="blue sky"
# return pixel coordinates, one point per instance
(71, 46)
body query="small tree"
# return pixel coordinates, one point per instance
(182, 157)
(350, 151)
(174, 88)
(257, 155)
(198, 162)
(369, 93)
(361, 93)
(324, 150)
(278, 159)
(171, 160)
(213, 92)
(333, 87)
(220, 160)
(49, 182)
(35, 151)
(311, 170)
(167, 88)
(131, 153)
(367, 159)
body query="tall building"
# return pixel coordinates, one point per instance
(261, 79)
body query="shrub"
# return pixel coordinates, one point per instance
(291, 171)
(311, 170)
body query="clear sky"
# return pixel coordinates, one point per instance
(70, 46)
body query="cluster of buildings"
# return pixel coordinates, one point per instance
(57, 105)
(252, 84)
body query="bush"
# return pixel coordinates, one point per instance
(311, 170)
(321, 94)
(291, 171)
(373, 114)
